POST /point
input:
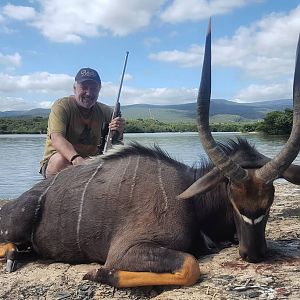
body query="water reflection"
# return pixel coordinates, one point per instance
(187, 148)
(20, 154)
(19, 163)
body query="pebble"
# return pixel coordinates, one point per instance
(63, 295)
(254, 294)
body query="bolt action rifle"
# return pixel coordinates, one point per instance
(113, 136)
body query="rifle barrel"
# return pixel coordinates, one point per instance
(116, 112)
(122, 78)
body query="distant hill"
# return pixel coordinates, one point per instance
(36, 112)
(221, 110)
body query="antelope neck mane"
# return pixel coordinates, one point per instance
(135, 148)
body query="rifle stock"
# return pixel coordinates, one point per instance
(113, 136)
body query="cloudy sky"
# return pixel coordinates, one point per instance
(43, 43)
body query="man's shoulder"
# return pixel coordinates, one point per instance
(106, 109)
(63, 107)
(103, 106)
(65, 101)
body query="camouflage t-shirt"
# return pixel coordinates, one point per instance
(83, 132)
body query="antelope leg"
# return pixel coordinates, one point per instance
(14, 253)
(146, 265)
(5, 248)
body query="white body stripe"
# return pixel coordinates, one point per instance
(38, 206)
(81, 204)
(161, 185)
(134, 178)
(123, 175)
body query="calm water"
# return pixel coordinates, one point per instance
(20, 154)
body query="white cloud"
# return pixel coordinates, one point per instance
(19, 103)
(132, 95)
(73, 20)
(173, 34)
(191, 58)
(48, 87)
(159, 95)
(39, 89)
(10, 60)
(264, 92)
(194, 10)
(266, 49)
(12, 103)
(128, 77)
(44, 104)
(42, 82)
(20, 13)
(150, 41)
(70, 21)
(3, 28)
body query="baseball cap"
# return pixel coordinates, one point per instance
(85, 74)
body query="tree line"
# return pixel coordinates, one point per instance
(274, 123)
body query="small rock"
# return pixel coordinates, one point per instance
(63, 295)
(266, 280)
(253, 294)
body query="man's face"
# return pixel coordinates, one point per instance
(86, 93)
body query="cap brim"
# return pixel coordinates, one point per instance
(88, 79)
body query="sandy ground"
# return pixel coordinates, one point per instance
(224, 275)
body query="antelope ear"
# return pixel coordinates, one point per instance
(203, 184)
(292, 174)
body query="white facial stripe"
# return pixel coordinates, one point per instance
(247, 220)
(259, 219)
(251, 221)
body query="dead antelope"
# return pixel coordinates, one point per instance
(123, 209)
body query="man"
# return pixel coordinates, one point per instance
(75, 123)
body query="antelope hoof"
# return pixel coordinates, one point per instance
(11, 265)
(90, 275)
(103, 275)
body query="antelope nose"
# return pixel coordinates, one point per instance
(253, 257)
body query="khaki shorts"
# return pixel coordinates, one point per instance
(44, 167)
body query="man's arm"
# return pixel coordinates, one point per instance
(65, 148)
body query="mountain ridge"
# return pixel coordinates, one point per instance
(185, 112)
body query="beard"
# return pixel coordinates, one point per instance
(87, 102)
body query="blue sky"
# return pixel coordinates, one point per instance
(43, 43)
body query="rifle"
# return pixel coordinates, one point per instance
(113, 136)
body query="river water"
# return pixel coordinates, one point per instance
(20, 154)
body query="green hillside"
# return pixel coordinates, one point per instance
(157, 113)
(220, 111)
(221, 118)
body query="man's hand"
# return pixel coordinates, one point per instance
(66, 151)
(79, 161)
(117, 124)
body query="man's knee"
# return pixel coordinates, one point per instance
(56, 163)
